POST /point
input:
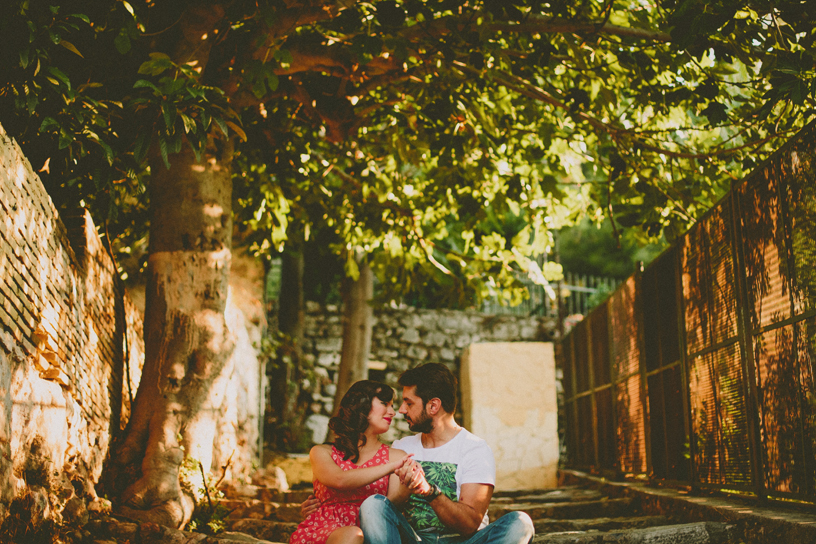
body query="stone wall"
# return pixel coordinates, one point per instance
(404, 338)
(70, 339)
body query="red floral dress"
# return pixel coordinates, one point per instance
(339, 508)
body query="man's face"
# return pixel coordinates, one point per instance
(414, 411)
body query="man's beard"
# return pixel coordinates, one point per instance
(423, 425)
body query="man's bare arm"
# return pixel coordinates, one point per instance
(463, 516)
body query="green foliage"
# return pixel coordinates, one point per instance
(444, 138)
(210, 515)
(61, 117)
(593, 250)
(179, 108)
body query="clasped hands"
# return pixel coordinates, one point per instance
(408, 471)
(412, 476)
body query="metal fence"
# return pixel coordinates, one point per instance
(699, 369)
(577, 294)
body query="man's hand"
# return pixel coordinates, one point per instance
(463, 515)
(413, 477)
(309, 505)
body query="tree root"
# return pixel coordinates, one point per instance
(175, 513)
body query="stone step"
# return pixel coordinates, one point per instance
(295, 497)
(604, 508)
(555, 495)
(520, 492)
(231, 537)
(255, 492)
(257, 509)
(276, 531)
(108, 530)
(689, 533)
(544, 526)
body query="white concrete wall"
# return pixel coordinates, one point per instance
(508, 399)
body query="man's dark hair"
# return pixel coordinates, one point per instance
(432, 381)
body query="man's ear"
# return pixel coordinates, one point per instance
(433, 406)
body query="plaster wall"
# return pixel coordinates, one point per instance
(509, 399)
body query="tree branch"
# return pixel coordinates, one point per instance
(526, 88)
(348, 178)
(535, 24)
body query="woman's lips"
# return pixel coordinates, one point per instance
(388, 419)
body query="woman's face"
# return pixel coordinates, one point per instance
(381, 415)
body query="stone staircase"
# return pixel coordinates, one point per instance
(579, 515)
(584, 510)
(270, 516)
(574, 514)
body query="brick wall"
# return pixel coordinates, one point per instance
(71, 345)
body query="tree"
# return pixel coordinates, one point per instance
(358, 325)
(401, 125)
(592, 249)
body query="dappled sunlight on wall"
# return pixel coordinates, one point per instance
(728, 345)
(71, 343)
(626, 353)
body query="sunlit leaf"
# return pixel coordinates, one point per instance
(70, 47)
(238, 130)
(128, 7)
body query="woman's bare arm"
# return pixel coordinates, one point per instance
(325, 470)
(398, 492)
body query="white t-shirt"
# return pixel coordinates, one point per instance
(465, 459)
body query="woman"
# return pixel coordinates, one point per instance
(355, 467)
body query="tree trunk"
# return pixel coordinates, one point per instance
(358, 322)
(285, 386)
(291, 317)
(187, 342)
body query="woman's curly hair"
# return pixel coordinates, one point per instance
(351, 421)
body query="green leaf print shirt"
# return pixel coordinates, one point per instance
(466, 459)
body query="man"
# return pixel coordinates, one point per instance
(445, 490)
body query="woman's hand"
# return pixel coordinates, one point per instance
(400, 463)
(310, 505)
(406, 470)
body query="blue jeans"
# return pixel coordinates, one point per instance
(383, 524)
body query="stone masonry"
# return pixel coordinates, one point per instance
(404, 338)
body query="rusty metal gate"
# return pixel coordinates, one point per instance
(699, 369)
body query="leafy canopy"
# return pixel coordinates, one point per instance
(444, 137)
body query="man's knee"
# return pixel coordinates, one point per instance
(373, 506)
(518, 526)
(377, 520)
